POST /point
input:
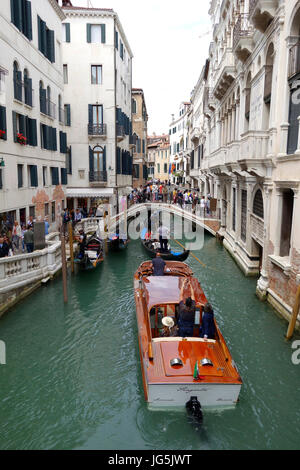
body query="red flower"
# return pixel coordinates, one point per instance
(21, 139)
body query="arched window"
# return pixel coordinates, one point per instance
(258, 204)
(17, 77)
(27, 88)
(99, 160)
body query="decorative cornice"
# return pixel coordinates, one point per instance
(57, 9)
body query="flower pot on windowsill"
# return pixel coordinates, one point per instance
(21, 139)
(2, 134)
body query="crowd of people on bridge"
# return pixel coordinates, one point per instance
(158, 191)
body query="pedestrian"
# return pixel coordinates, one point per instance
(4, 248)
(29, 239)
(202, 206)
(16, 236)
(47, 226)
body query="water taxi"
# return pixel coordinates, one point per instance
(179, 372)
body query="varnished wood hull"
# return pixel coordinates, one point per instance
(168, 387)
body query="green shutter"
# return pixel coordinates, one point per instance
(68, 114)
(33, 176)
(91, 161)
(117, 40)
(28, 91)
(18, 14)
(68, 32)
(88, 33)
(28, 20)
(32, 132)
(39, 24)
(103, 33)
(50, 46)
(3, 126)
(44, 38)
(104, 158)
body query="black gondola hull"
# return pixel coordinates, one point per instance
(166, 256)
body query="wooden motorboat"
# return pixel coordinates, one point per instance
(93, 254)
(180, 371)
(170, 255)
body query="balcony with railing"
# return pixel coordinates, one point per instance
(294, 60)
(243, 37)
(48, 108)
(97, 130)
(98, 178)
(120, 132)
(23, 92)
(61, 116)
(225, 74)
(262, 12)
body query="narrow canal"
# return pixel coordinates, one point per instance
(73, 377)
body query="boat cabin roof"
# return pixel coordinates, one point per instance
(167, 289)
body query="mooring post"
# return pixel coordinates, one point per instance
(64, 264)
(294, 317)
(71, 246)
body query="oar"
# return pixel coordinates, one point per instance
(204, 265)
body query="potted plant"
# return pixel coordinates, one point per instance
(21, 139)
(1, 134)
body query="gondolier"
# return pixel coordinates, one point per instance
(163, 233)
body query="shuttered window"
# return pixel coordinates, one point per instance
(119, 169)
(20, 176)
(1, 181)
(67, 114)
(69, 160)
(46, 40)
(258, 204)
(33, 173)
(64, 176)
(234, 209)
(66, 32)
(54, 176)
(63, 142)
(96, 33)
(21, 16)
(3, 125)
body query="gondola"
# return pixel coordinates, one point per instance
(169, 255)
(190, 372)
(117, 242)
(93, 254)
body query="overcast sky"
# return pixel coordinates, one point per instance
(170, 44)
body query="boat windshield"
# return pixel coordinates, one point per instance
(158, 312)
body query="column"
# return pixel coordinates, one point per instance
(233, 123)
(237, 127)
(263, 282)
(284, 131)
(298, 146)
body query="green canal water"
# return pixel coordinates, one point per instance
(73, 376)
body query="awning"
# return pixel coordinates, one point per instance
(90, 192)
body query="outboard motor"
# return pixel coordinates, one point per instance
(193, 406)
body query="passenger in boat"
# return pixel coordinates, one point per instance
(158, 265)
(169, 328)
(208, 329)
(186, 312)
(82, 243)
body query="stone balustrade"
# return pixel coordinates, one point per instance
(21, 270)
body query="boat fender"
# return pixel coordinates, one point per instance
(193, 406)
